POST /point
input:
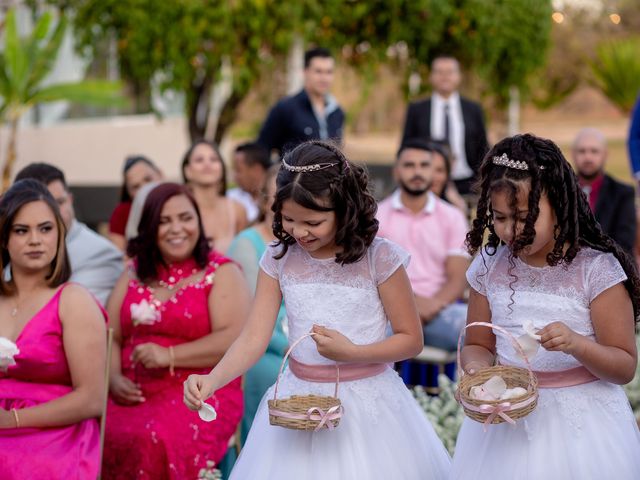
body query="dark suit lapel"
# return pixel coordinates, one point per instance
(605, 202)
(427, 117)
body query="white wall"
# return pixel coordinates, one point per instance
(92, 151)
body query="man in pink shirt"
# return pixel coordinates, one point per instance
(433, 231)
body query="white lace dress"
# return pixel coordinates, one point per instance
(383, 433)
(582, 432)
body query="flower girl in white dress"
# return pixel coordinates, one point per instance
(344, 284)
(547, 261)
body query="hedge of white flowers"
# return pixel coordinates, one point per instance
(210, 472)
(444, 413)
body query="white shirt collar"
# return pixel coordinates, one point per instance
(429, 207)
(454, 98)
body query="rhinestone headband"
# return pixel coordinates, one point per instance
(505, 161)
(307, 168)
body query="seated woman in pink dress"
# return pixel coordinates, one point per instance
(174, 313)
(52, 347)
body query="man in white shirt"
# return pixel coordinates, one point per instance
(448, 117)
(95, 262)
(250, 164)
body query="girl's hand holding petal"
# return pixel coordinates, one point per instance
(557, 337)
(197, 388)
(332, 344)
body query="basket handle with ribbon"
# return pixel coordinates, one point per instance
(284, 361)
(498, 409)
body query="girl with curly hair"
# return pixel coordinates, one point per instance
(544, 259)
(343, 285)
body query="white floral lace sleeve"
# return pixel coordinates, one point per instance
(479, 270)
(385, 258)
(604, 271)
(270, 265)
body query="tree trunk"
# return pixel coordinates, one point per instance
(11, 154)
(220, 94)
(295, 65)
(197, 99)
(228, 114)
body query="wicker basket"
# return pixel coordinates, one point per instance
(305, 412)
(498, 411)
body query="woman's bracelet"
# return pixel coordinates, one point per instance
(16, 417)
(172, 361)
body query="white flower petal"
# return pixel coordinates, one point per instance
(531, 330)
(478, 393)
(495, 386)
(513, 393)
(529, 345)
(207, 412)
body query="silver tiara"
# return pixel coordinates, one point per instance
(307, 168)
(505, 161)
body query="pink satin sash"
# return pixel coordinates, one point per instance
(328, 373)
(565, 378)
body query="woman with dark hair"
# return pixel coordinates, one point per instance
(175, 311)
(204, 171)
(441, 183)
(50, 395)
(136, 172)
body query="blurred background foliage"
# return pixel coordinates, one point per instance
(540, 49)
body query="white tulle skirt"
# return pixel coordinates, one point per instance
(383, 435)
(586, 432)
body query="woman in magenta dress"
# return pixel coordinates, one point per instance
(175, 311)
(52, 347)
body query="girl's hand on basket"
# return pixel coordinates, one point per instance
(197, 388)
(474, 366)
(332, 344)
(557, 337)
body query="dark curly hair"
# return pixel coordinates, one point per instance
(548, 173)
(344, 186)
(144, 247)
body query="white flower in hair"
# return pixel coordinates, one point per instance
(8, 350)
(144, 313)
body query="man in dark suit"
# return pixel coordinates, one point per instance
(612, 202)
(449, 117)
(312, 114)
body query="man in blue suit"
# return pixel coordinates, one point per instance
(312, 114)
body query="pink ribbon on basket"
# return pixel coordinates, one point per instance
(325, 418)
(496, 411)
(334, 413)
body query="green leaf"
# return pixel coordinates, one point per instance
(14, 53)
(44, 58)
(94, 92)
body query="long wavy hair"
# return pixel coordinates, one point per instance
(144, 247)
(186, 159)
(341, 188)
(548, 173)
(23, 192)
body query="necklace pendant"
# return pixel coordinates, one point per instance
(14, 311)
